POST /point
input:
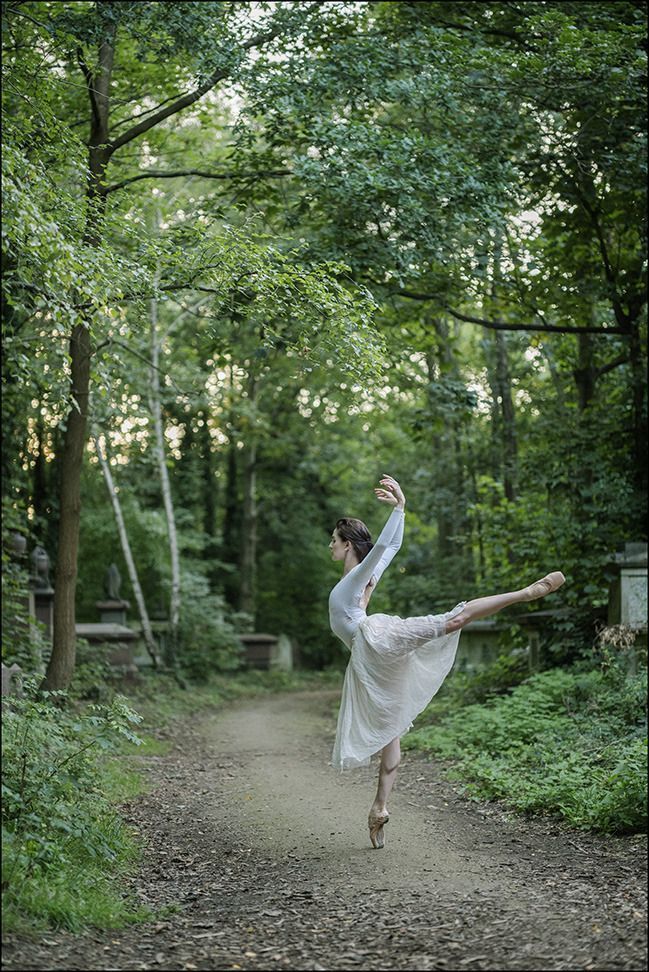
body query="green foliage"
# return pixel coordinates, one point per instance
(94, 678)
(208, 638)
(22, 635)
(62, 840)
(567, 742)
(464, 688)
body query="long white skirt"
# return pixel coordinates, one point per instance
(396, 667)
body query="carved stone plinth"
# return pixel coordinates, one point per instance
(628, 595)
(113, 611)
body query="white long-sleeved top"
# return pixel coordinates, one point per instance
(345, 612)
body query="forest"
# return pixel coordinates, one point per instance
(257, 255)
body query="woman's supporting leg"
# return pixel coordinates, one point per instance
(378, 815)
(484, 607)
(390, 759)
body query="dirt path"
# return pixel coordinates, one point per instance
(265, 849)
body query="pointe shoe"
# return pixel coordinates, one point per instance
(548, 584)
(376, 822)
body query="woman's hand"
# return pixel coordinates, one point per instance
(392, 492)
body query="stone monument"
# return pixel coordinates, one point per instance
(628, 595)
(42, 590)
(113, 609)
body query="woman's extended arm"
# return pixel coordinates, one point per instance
(389, 539)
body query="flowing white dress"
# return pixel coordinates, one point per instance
(396, 665)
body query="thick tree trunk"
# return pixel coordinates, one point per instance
(128, 556)
(62, 660)
(64, 641)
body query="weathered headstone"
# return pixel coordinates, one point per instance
(12, 679)
(42, 589)
(113, 609)
(628, 595)
(112, 583)
(41, 570)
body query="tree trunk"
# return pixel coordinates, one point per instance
(61, 664)
(248, 553)
(128, 556)
(156, 412)
(210, 486)
(62, 660)
(508, 424)
(448, 462)
(39, 479)
(231, 523)
(502, 386)
(640, 436)
(585, 373)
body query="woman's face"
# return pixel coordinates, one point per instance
(338, 546)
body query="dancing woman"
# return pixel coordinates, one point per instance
(397, 664)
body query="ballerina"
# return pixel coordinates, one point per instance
(396, 664)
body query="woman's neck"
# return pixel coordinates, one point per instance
(349, 563)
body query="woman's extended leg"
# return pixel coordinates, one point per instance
(483, 607)
(378, 816)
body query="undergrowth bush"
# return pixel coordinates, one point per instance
(466, 688)
(94, 678)
(571, 742)
(63, 842)
(209, 638)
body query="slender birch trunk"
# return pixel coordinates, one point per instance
(156, 412)
(128, 556)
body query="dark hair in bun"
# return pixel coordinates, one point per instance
(358, 535)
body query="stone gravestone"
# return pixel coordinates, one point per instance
(113, 638)
(42, 589)
(12, 682)
(113, 609)
(628, 596)
(627, 603)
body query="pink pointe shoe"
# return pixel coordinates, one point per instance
(376, 822)
(548, 584)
